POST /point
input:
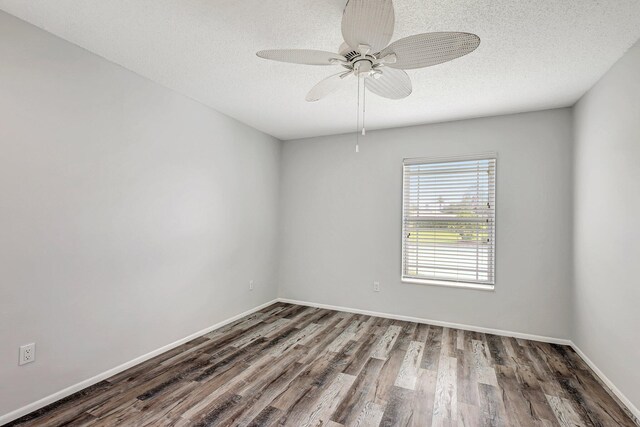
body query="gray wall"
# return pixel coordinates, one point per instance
(606, 237)
(130, 216)
(341, 222)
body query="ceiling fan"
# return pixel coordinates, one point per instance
(367, 28)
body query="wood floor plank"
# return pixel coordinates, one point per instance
(215, 410)
(610, 409)
(386, 342)
(399, 409)
(259, 397)
(364, 326)
(520, 406)
(320, 412)
(362, 393)
(370, 415)
(460, 340)
(492, 410)
(497, 350)
(421, 334)
(467, 374)
(408, 374)
(449, 342)
(269, 416)
(424, 398)
(239, 379)
(523, 380)
(292, 365)
(468, 415)
(407, 334)
(299, 338)
(265, 330)
(341, 340)
(206, 393)
(563, 411)
(445, 407)
(156, 411)
(362, 355)
(303, 389)
(387, 377)
(431, 354)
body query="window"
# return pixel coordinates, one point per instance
(448, 221)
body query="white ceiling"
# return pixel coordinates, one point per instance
(534, 54)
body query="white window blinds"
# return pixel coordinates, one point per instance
(448, 220)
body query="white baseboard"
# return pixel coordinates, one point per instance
(632, 410)
(500, 332)
(111, 372)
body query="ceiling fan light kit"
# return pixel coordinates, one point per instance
(367, 28)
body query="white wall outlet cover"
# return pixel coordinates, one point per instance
(250, 285)
(376, 286)
(27, 354)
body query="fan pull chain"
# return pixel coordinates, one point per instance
(358, 119)
(364, 102)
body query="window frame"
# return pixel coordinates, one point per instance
(444, 282)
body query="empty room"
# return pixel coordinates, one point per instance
(319, 213)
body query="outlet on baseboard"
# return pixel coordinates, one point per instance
(27, 354)
(250, 285)
(376, 286)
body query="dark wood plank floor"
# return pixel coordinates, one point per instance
(299, 366)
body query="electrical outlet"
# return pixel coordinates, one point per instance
(250, 285)
(27, 354)
(376, 286)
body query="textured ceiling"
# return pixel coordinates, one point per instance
(534, 54)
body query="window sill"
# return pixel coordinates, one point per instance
(447, 284)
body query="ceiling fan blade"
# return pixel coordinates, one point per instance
(368, 22)
(301, 56)
(327, 86)
(427, 49)
(392, 84)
